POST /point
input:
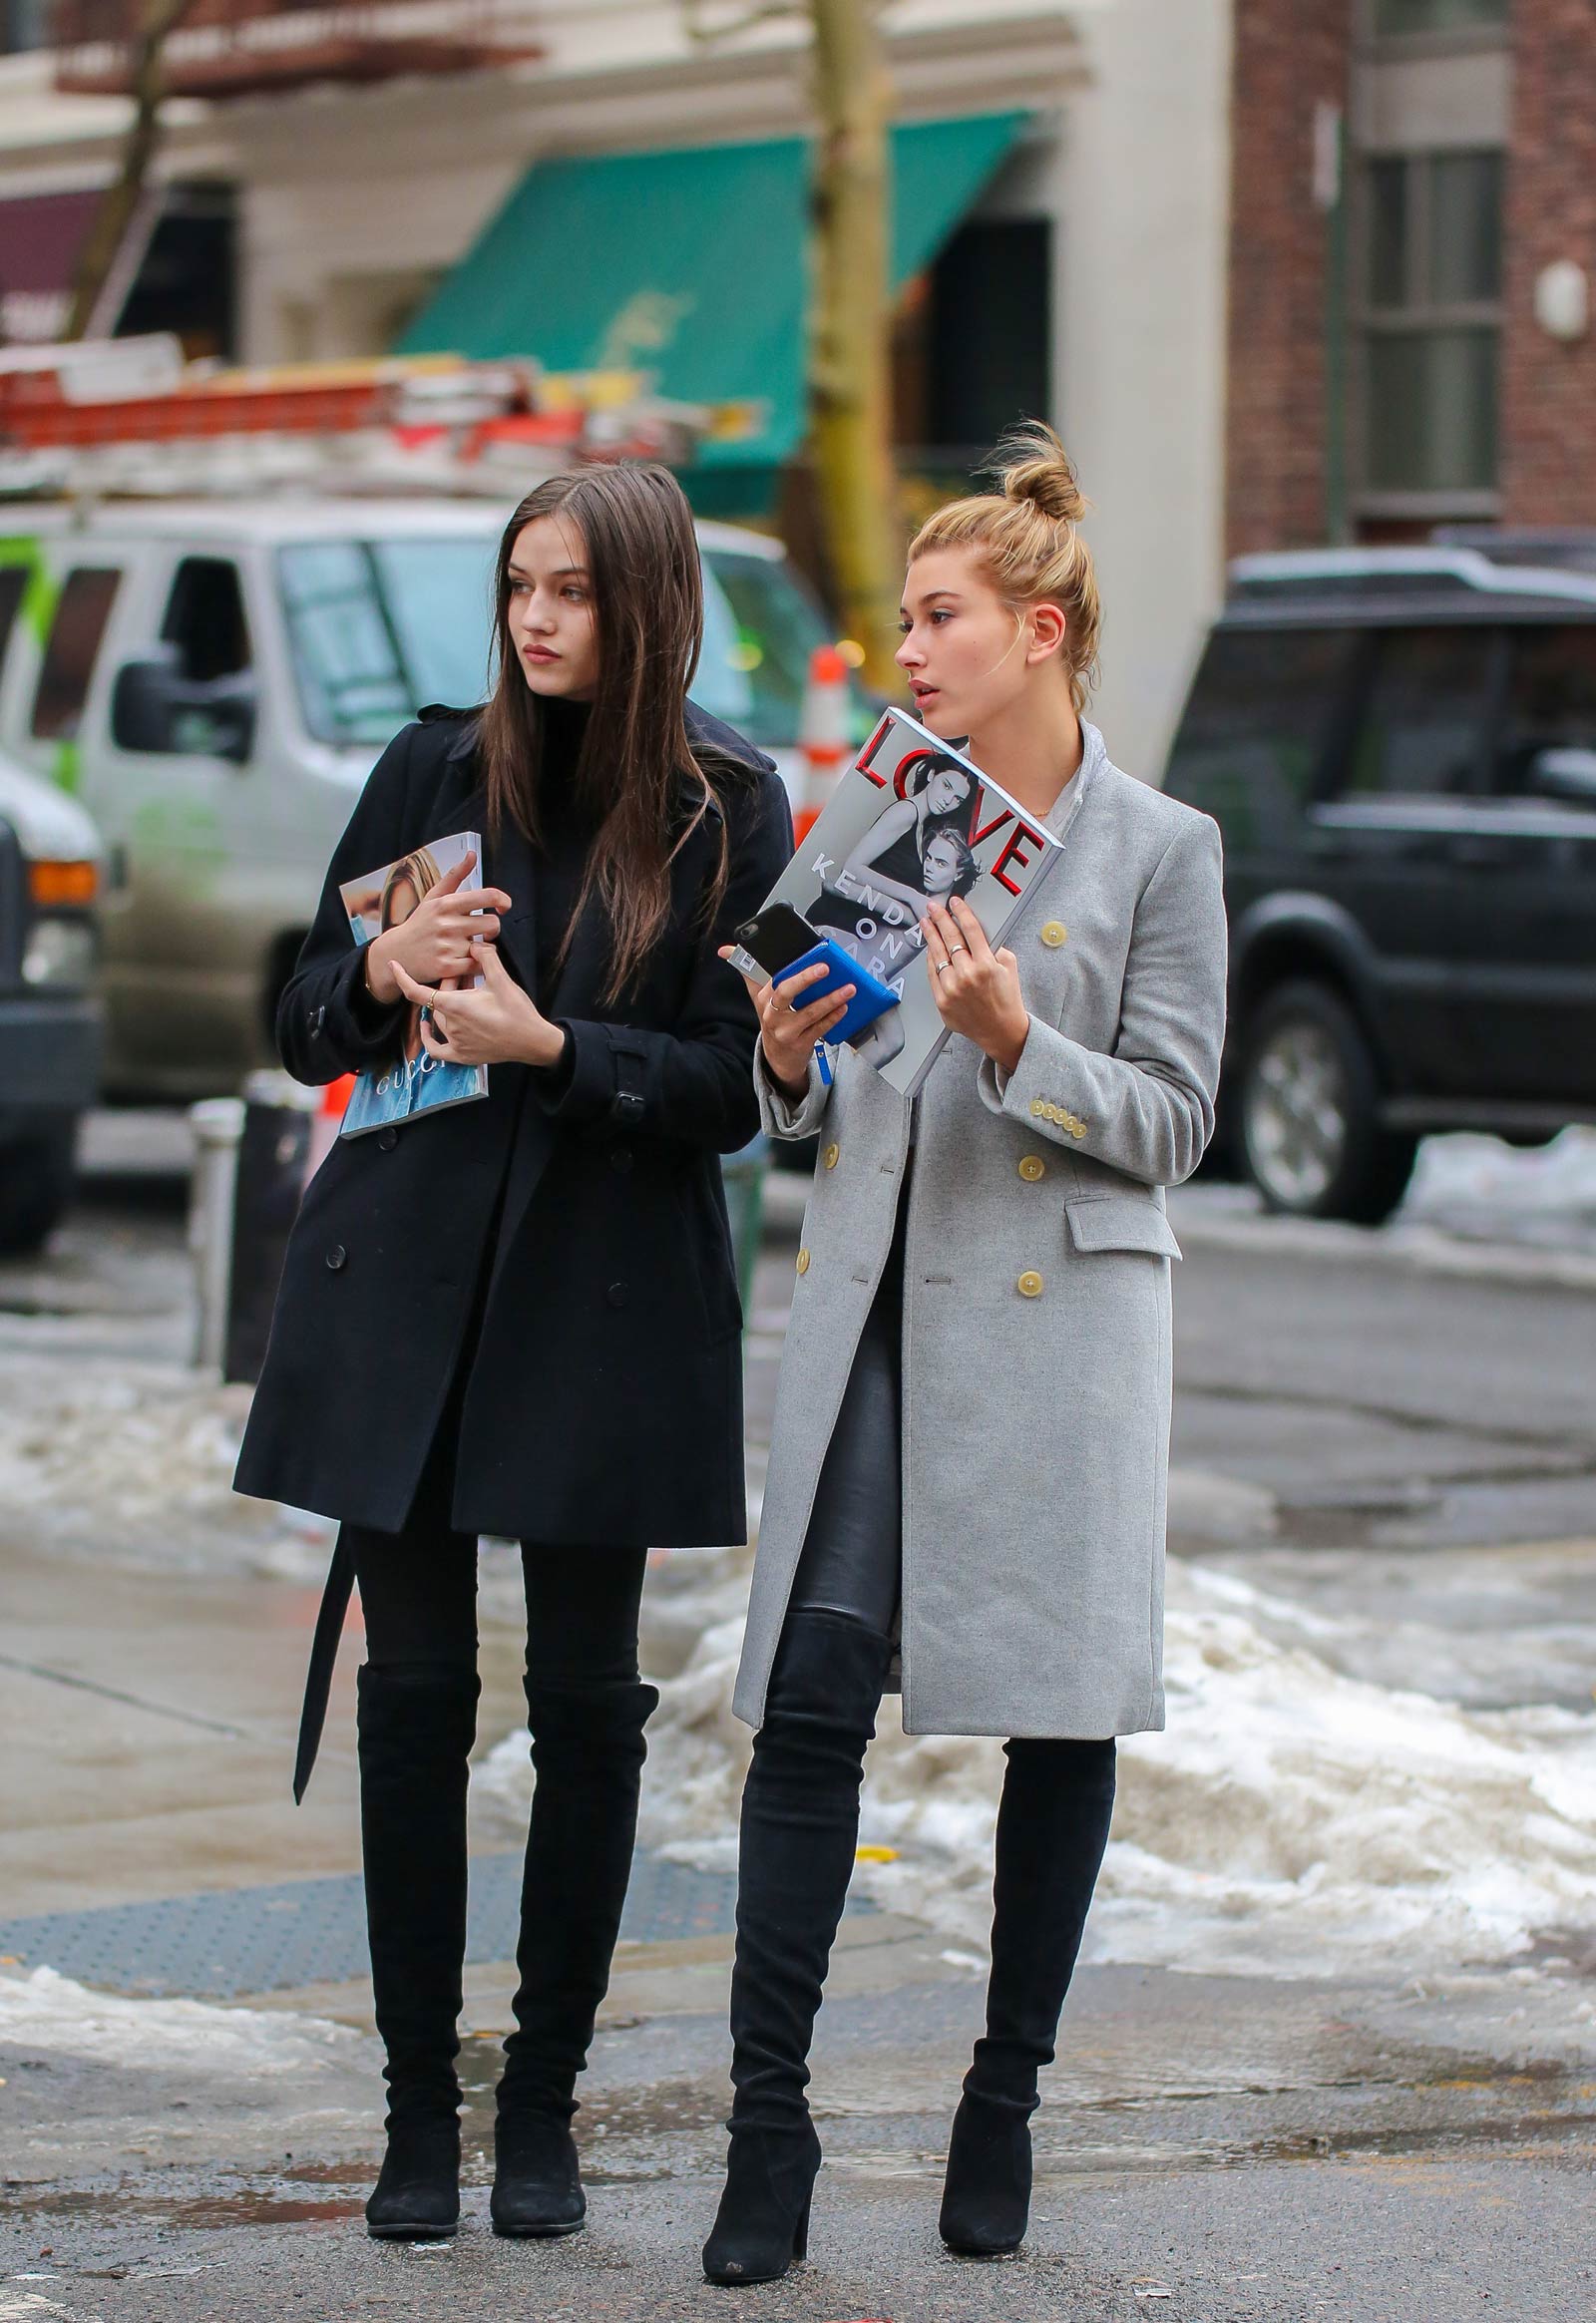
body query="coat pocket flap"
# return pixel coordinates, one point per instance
(1113, 1222)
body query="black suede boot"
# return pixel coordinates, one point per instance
(1052, 1828)
(800, 1827)
(416, 1728)
(588, 1748)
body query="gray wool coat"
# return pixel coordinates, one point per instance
(1035, 1332)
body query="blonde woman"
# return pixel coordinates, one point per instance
(968, 1473)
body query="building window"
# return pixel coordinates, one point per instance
(23, 26)
(971, 352)
(1431, 324)
(1396, 18)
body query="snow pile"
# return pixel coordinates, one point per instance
(144, 1451)
(1291, 1822)
(1481, 1186)
(44, 2011)
(1293, 1816)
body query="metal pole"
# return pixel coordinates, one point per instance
(218, 1125)
(1330, 197)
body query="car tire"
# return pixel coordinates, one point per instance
(1308, 1112)
(36, 1181)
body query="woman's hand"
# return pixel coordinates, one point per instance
(788, 1033)
(495, 1022)
(439, 938)
(977, 990)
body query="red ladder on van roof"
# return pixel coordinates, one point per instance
(141, 391)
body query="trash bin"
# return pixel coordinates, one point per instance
(743, 1175)
(253, 1158)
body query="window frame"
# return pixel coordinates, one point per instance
(65, 732)
(1514, 638)
(222, 559)
(1337, 796)
(9, 614)
(1418, 317)
(1342, 702)
(1439, 39)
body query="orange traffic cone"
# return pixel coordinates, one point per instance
(327, 1123)
(823, 733)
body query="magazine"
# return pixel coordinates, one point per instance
(912, 822)
(414, 1082)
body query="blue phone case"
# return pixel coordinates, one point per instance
(871, 1000)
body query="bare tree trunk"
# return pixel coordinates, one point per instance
(120, 201)
(849, 377)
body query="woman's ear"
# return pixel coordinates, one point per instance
(1048, 630)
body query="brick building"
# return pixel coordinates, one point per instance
(1412, 241)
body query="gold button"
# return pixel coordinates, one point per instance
(1032, 1167)
(1029, 1285)
(831, 1156)
(1038, 1106)
(1054, 934)
(803, 1262)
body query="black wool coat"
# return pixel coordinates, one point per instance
(572, 1220)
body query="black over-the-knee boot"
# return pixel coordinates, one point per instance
(588, 1748)
(800, 1827)
(1052, 1828)
(416, 1726)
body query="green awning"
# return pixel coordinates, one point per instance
(690, 263)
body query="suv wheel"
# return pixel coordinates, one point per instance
(1307, 1110)
(36, 1180)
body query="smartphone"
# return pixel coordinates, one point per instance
(769, 943)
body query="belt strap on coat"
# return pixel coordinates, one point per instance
(323, 1654)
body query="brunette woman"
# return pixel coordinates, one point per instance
(520, 1315)
(968, 1463)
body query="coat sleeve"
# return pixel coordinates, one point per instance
(327, 1022)
(1148, 1110)
(790, 1117)
(694, 1082)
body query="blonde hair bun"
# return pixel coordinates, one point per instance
(1026, 537)
(1033, 465)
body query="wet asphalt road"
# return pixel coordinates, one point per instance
(1406, 1443)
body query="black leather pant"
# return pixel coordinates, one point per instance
(853, 1552)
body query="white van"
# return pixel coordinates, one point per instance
(215, 680)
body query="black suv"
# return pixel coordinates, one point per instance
(1399, 747)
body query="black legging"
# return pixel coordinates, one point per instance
(586, 1708)
(418, 1592)
(418, 1589)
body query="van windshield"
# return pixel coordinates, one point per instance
(377, 628)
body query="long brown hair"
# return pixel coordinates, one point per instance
(649, 606)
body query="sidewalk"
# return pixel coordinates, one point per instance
(189, 2122)
(1210, 2148)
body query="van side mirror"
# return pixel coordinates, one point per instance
(155, 709)
(1566, 773)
